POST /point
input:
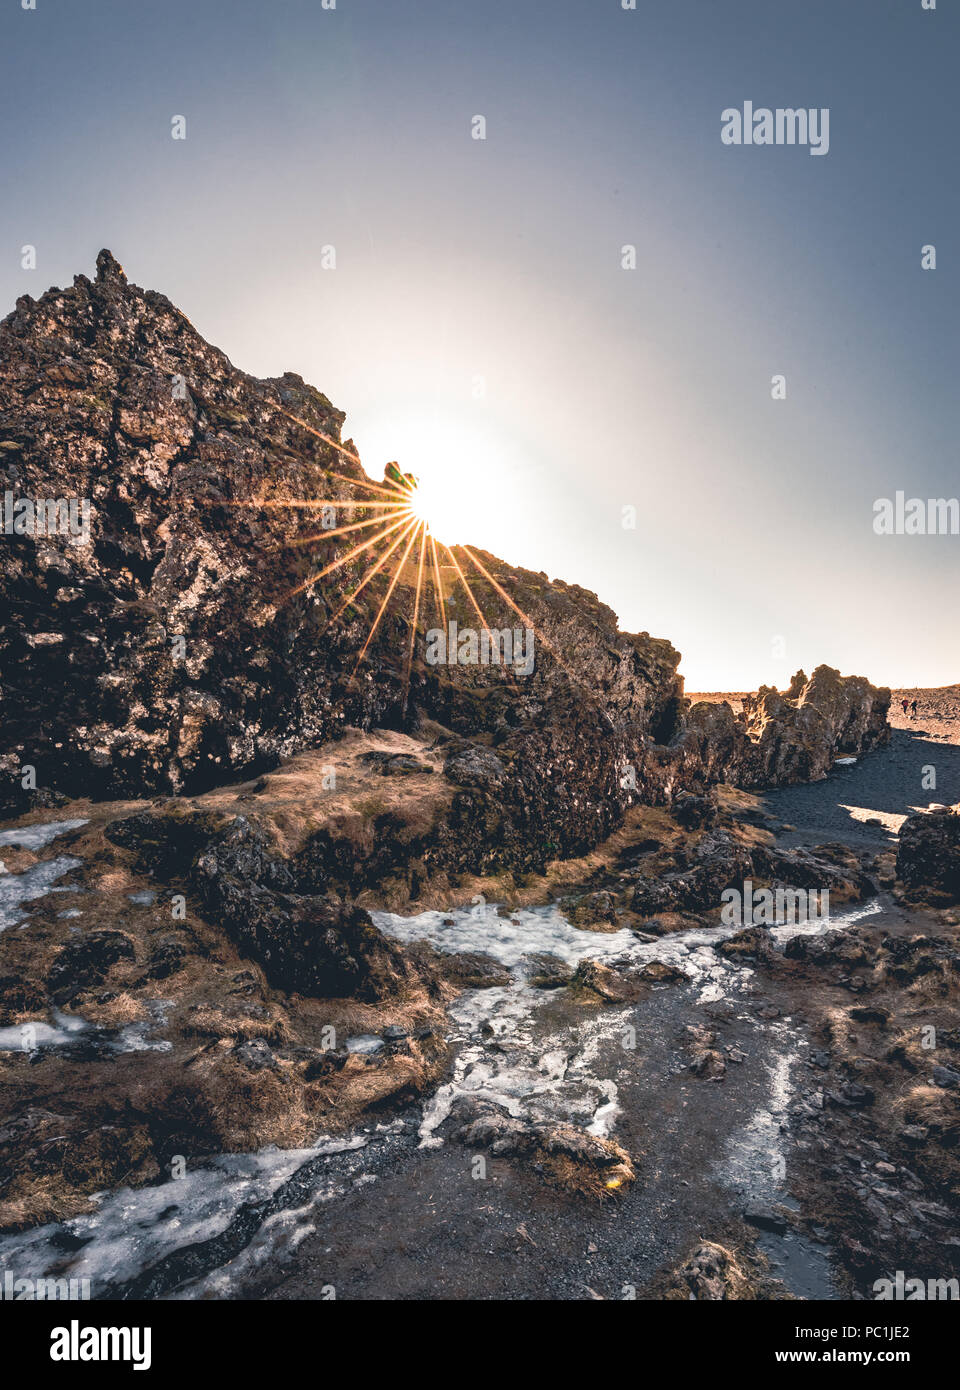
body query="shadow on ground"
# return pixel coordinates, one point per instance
(886, 785)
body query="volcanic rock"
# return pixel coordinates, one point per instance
(928, 857)
(194, 642)
(86, 962)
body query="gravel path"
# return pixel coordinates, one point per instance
(884, 786)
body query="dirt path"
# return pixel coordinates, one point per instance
(885, 786)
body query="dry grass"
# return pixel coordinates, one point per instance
(297, 802)
(78, 1126)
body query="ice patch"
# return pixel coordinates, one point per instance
(836, 921)
(38, 836)
(36, 1034)
(35, 882)
(133, 1228)
(365, 1043)
(135, 1037)
(755, 1160)
(28, 1037)
(504, 1056)
(482, 929)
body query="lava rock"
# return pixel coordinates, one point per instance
(928, 856)
(86, 962)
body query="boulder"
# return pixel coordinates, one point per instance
(928, 856)
(592, 978)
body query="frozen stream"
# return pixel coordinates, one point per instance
(516, 1048)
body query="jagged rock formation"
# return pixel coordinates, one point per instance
(798, 735)
(306, 943)
(173, 648)
(784, 739)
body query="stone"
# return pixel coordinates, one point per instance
(256, 1055)
(928, 856)
(590, 977)
(765, 1220)
(660, 972)
(709, 1065)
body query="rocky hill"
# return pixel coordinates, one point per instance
(176, 644)
(178, 681)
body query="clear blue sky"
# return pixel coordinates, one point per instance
(460, 259)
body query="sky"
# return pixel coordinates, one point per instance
(478, 324)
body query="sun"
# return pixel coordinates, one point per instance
(440, 509)
(441, 496)
(468, 472)
(410, 533)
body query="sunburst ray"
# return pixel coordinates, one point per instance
(386, 599)
(344, 559)
(374, 570)
(416, 615)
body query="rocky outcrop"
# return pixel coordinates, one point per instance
(175, 646)
(185, 637)
(928, 856)
(306, 943)
(783, 739)
(798, 737)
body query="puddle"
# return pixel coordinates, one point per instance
(802, 1264)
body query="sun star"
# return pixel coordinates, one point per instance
(404, 548)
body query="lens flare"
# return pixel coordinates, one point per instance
(404, 551)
